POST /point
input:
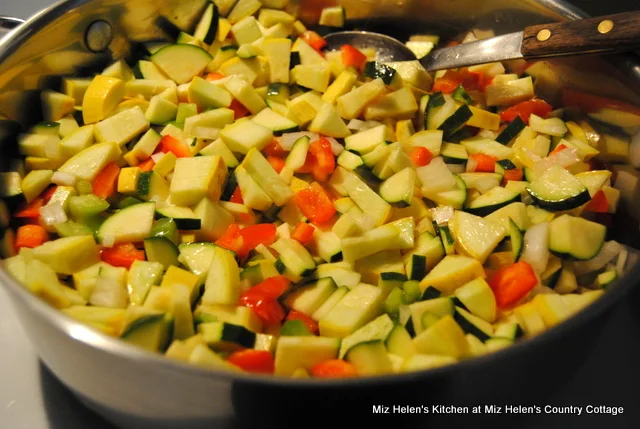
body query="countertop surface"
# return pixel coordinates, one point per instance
(32, 398)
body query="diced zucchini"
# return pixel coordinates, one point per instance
(354, 310)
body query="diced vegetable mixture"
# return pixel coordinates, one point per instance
(244, 200)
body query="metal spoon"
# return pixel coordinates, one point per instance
(606, 34)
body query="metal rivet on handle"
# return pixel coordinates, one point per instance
(543, 35)
(605, 26)
(98, 36)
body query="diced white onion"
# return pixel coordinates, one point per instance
(471, 165)
(436, 177)
(207, 133)
(336, 147)
(621, 262)
(442, 214)
(609, 250)
(157, 157)
(355, 124)
(634, 150)
(536, 247)
(63, 179)
(108, 240)
(565, 158)
(550, 126)
(288, 139)
(456, 168)
(485, 184)
(53, 214)
(284, 231)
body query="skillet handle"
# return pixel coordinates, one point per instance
(8, 23)
(610, 33)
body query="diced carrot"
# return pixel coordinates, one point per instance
(276, 162)
(236, 197)
(122, 255)
(254, 361)
(352, 57)
(303, 232)
(30, 236)
(147, 165)
(484, 163)
(310, 324)
(315, 204)
(512, 283)
(513, 174)
(421, 156)
(105, 183)
(598, 203)
(31, 210)
(172, 144)
(239, 111)
(334, 368)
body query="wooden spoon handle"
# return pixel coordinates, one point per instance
(611, 33)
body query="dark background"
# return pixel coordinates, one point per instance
(609, 376)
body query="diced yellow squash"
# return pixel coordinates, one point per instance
(196, 178)
(102, 96)
(353, 103)
(452, 272)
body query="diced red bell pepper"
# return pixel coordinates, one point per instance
(105, 183)
(598, 203)
(239, 111)
(276, 162)
(325, 162)
(169, 143)
(303, 232)
(334, 368)
(524, 109)
(122, 255)
(454, 78)
(309, 164)
(253, 235)
(314, 40)
(236, 197)
(263, 299)
(484, 163)
(514, 174)
(311, 324)
(231, 239)
(558, 148)
(274, 149)
(352, 57)
(254, 361)
(214, 76)
(315, 204)
(421, 156)
(512, 283)
(48, 193)
(590, 103)
(147, 165)
(31, 210)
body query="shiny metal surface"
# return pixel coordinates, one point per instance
(9, 23)
(500, 48)
(387, 48)
(138, 389)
